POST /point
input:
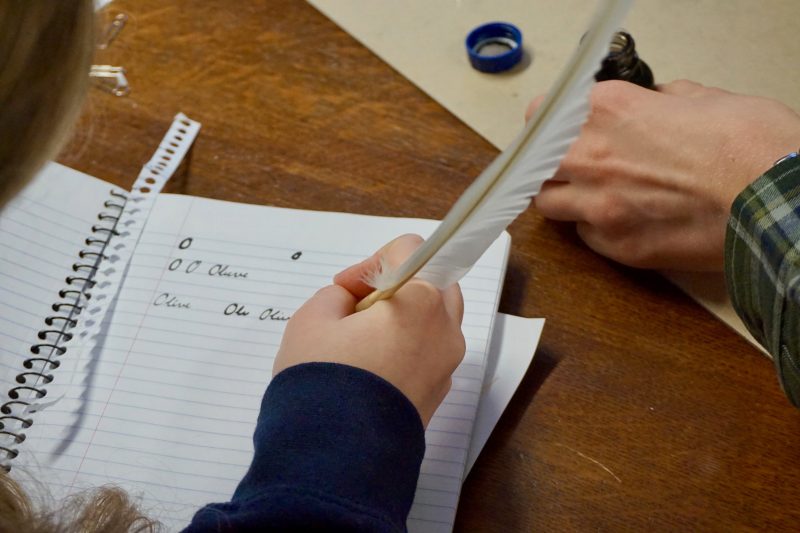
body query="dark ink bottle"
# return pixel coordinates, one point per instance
(623, 63)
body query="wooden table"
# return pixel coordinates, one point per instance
(640, 411)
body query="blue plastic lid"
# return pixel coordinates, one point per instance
(494, 47)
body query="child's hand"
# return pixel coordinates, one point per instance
(413, 340)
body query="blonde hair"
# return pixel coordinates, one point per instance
(45, 53)
(106, 509)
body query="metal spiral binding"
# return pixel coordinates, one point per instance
(14, 413)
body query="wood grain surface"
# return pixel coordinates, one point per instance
(640, 412)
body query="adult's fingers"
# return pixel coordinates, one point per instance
(533, 106)
(561, 201)
(626, 251)
(598, 241)
(685, 88)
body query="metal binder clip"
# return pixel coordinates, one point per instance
(113, 29)
(111, 79)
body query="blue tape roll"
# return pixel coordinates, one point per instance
(494, 47)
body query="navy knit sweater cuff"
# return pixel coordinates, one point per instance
(341, 433)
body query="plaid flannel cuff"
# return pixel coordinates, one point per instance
(762, 266)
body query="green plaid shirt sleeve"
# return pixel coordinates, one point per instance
(762, 267)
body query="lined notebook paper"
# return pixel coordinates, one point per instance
(166, 404)
(40, 236)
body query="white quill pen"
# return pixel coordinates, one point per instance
(505, 188)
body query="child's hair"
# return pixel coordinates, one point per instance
(106, 509)
(45, 54)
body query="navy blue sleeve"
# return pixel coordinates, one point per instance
(337, 448)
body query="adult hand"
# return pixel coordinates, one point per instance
(651, 179)
(412, 340)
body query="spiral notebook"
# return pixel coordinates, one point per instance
(165, 403)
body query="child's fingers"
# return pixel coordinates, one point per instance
(329, 303)
(397, 251)
(454, 302)
(352, 278)
(394, 253)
